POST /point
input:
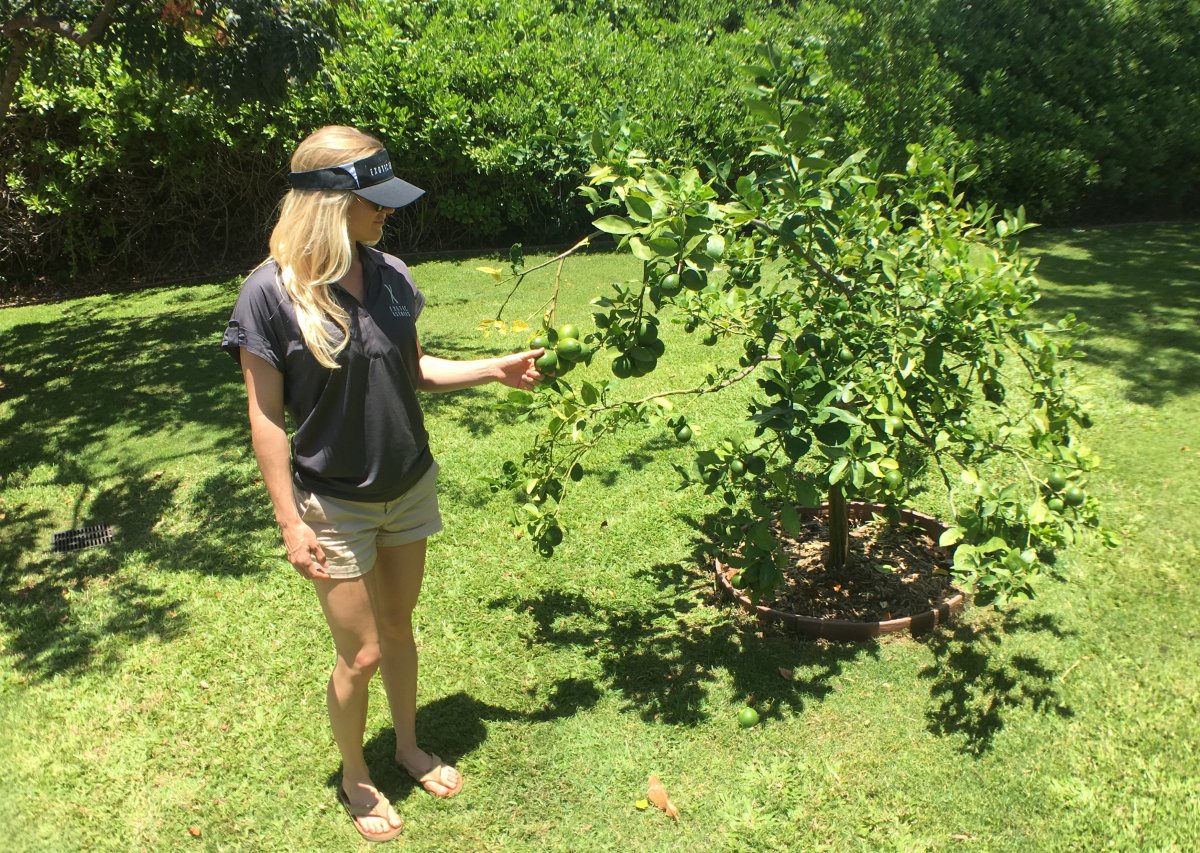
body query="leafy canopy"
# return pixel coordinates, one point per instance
(884, 320)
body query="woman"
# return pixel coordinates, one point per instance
(325, 330)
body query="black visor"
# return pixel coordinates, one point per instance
(370, 177)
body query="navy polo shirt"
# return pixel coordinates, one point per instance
(359, 432)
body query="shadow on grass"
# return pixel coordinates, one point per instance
(1139, 284)
(73, 383)
(472, 409)
(663, 658)
(49, 631)
(65, 614)
(977, 683)
(75, 388)
(456, 725)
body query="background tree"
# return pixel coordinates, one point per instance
(240, 49)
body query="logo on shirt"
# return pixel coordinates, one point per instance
(398, 308)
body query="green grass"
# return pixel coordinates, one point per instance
(174, 678)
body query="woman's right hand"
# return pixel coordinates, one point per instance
(304, 552)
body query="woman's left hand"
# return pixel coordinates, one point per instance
(518, 370)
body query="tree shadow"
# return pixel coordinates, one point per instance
(48, 633)
(977, 683)
(71, 385)
(73, 382)
(1137, 283)
(664, 658)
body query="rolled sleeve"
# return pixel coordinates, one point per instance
(257, 323)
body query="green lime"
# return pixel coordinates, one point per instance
(554, 535)
(1056, 504)
(693, 279)
(576, 472)
(684, 434)
(540, 342)
(710, 339)
(737, 467)
(547, 361)
(845, 355)
(894, 479)
(569, 348)
(1074, 496)
(567, 330)
(670, 284)
(747, 718)
(1056, 481)
(622, 367)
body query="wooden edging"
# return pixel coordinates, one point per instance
(844, 629)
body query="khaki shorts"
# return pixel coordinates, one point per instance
(351, 532)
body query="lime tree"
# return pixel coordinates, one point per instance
(884, 320)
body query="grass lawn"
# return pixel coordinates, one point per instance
(165, 692)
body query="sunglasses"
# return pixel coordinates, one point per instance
(376, 207)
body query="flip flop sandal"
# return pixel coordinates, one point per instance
(379, 809)
(433, 776)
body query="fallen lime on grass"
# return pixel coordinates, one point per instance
(747, 718)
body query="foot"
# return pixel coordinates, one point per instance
(431, 773)
(373, 815)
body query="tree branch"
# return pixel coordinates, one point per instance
(557, 259)
(12, 73)
(17, 29)
(812, 262)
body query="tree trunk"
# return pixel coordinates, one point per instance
(839, 529)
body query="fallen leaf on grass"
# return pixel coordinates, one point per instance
(194, 831)
(786, 673)
(962, 836)
(657, 794)
(642, 805)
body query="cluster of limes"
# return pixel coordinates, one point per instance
(736, 466)
(674, 283)
(1062, 493)
(641, 350)
(563, 349)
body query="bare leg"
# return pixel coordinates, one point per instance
(347, 608)
(399, 571)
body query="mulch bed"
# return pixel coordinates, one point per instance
(891, 572)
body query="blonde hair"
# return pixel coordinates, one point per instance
(311, 243)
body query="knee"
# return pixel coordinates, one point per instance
(396, 627)
(362, 664)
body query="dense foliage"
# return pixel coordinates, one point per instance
(883, 318)
(151, 151)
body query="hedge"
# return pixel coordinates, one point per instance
(1078, 109)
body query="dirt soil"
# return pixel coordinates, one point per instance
(892, 572)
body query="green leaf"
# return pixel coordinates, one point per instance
(640, 250)
(639, 208)
(949, 536)
(663, 246)
(615, 225)
(843, 415)
(789, 520)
